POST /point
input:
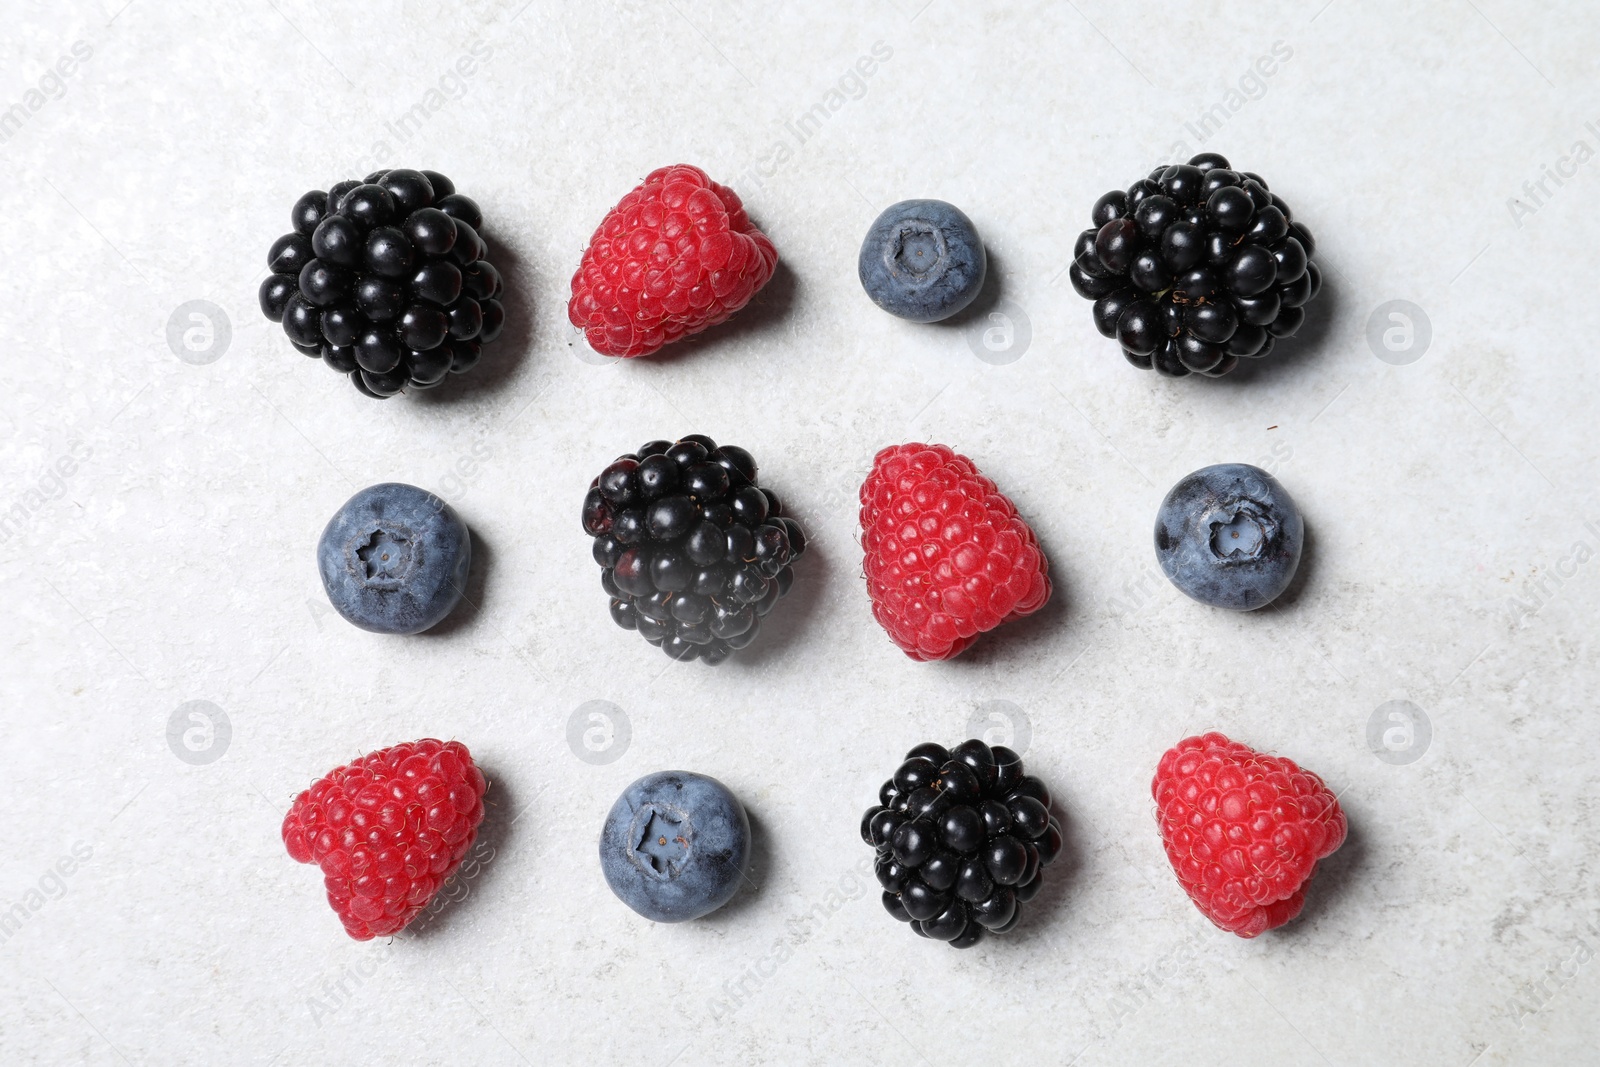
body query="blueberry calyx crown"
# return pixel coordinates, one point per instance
(1240, 531)
(663, 839)
(384, 557)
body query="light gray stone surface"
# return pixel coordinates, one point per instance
(1448, 493)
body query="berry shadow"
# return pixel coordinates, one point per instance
(1335, 878)
(466, 612)
(1301, 350)
(766, 308)
(987, 300)
(758, 871)
(1040, 914)
(483, 860)
(782, 627)
(502, 356)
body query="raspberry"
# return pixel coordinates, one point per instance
(1244, 831)
(676, 255)
(947, 555)
(387, 830)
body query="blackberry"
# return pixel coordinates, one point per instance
(963, 837)
(1196, 267)
(385, 279)
(692, 550)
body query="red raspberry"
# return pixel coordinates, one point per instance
(947, 555)
(1244, 831)
(676, 255)
(387, 830)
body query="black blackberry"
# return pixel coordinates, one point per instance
(692, 550)
(963, 837)
(385, 279)
(1195, 267)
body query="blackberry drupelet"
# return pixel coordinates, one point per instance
(692, 550)
(1196, 267)
(963, 837)
(385, 279)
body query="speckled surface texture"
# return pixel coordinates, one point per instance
(173, 674)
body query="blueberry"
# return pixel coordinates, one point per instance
(1229, 536)
(922, 260)
(394, 559)
(675, 846)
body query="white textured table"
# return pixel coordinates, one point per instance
(161, 504)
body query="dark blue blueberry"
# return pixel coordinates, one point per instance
(394, 559)
(675, 846)
(1229, 536)
(922, 260)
